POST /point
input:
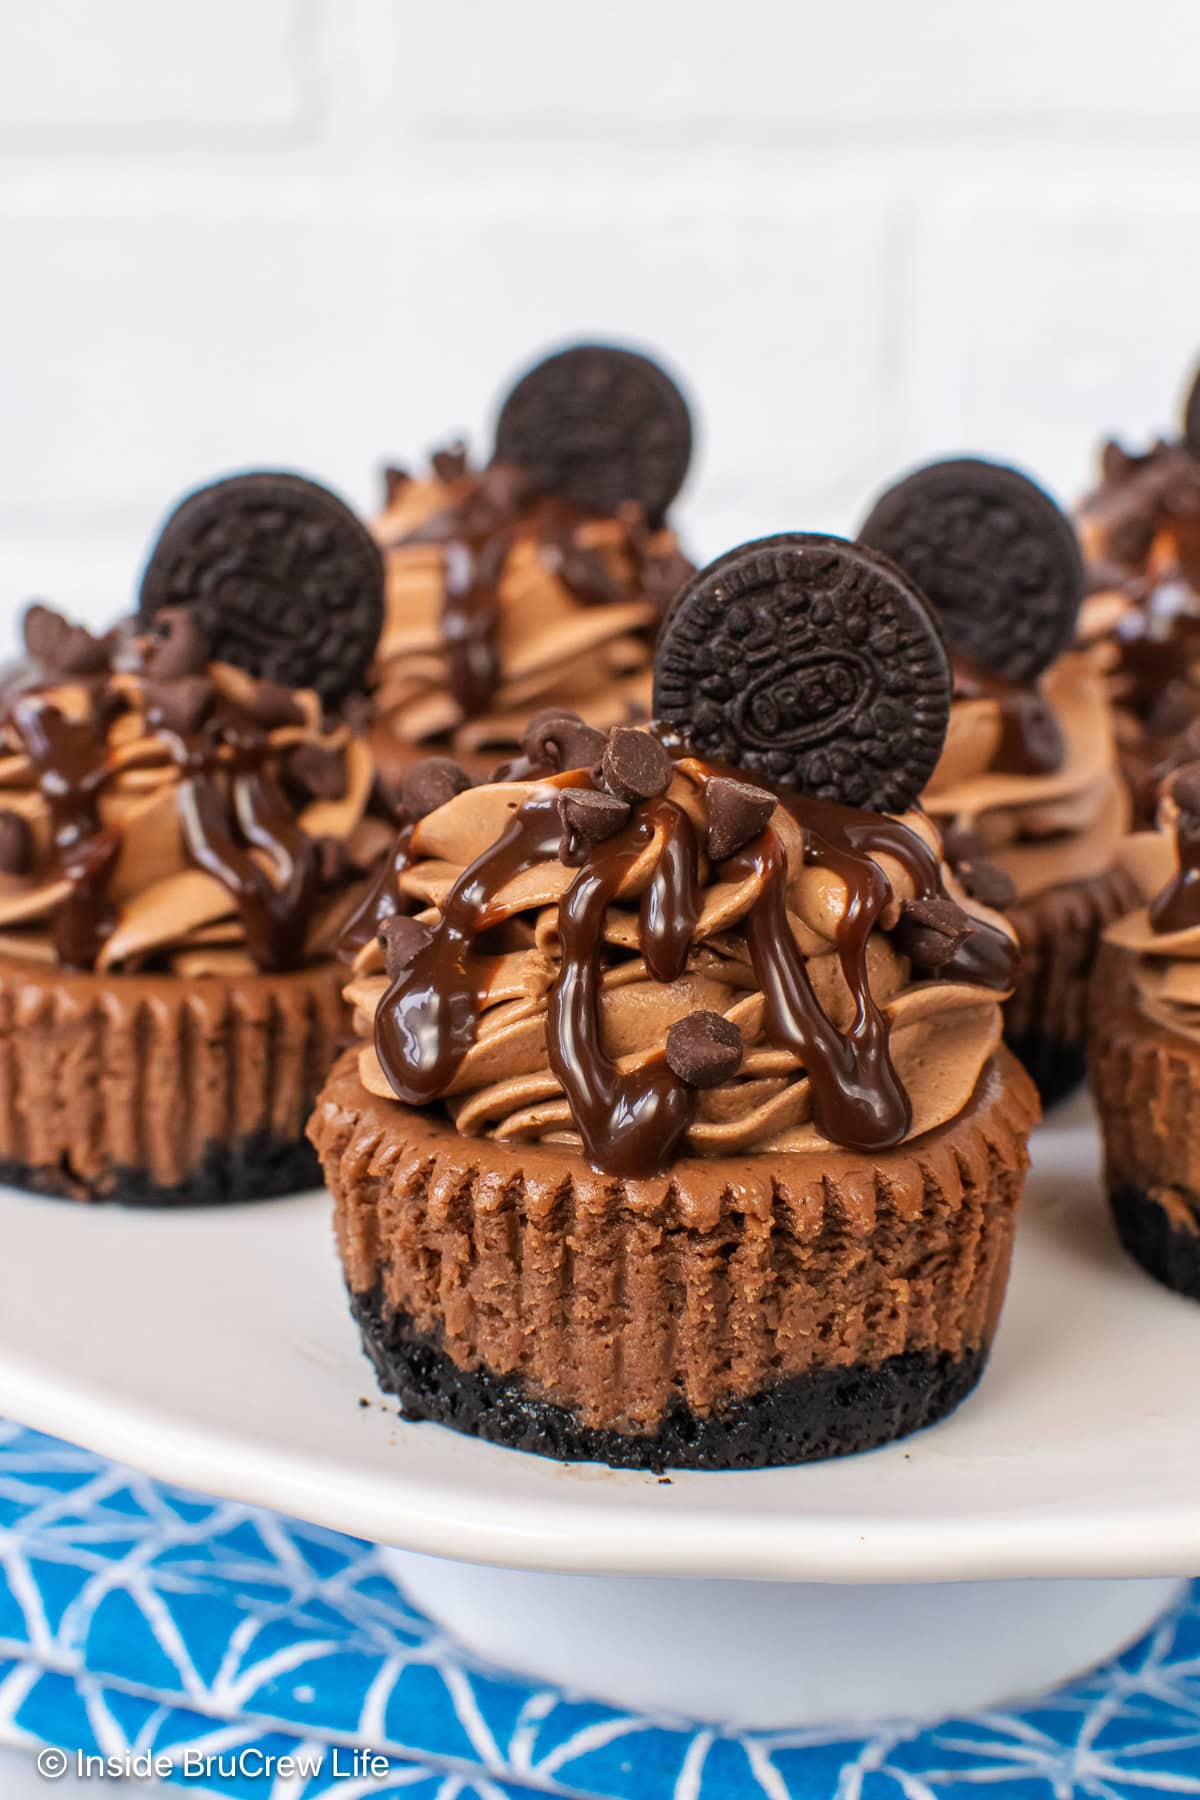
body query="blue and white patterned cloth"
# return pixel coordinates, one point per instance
(135, 1617)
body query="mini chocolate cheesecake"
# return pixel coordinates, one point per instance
(680, 1131)
(1140, 533)
(540, 579)
(187, 820)
(1144, 1056)
(1028, 791)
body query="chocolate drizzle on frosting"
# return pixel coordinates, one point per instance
(478, 531)
(1031, 740)
(191, 737)
(633, 1120)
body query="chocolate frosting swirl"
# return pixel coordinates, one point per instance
(159, 810)
(1030, 775)
(1140, 533)
(501, 599)
(1163, 934)
(538, 988)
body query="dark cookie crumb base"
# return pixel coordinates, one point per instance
(1057, 1069)
(1172, 1256)
(260, 1167)
(825, 1413)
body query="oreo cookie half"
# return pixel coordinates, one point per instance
(597, 426)
(811, 663)
(281, 577)
(997, 559)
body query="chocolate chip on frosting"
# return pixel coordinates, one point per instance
(401, 938)
(588, 817)
(16, 844)
(1185, 789)
(431, 784)
(635, 766)
(319, 773)
(181, 706)
(985, 882)
(394, 483)
(450, 464)
(59, 646)
(562, 740)
(737, 813)
(704, 1049)
(931, 932)
(272, 705)
(174, 646)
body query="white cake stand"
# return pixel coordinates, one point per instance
(1035, 1532)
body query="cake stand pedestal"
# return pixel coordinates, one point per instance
(1030, 1535)
(772, 1654)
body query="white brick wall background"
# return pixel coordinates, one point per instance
(323, 233)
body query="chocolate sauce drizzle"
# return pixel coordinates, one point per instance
(633, 1122)
(230, 806)
(478, 533)
(1177, 908)
(1031, 740)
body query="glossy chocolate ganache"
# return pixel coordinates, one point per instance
(652, 957)
(160, 810)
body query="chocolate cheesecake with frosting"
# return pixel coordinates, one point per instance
(1140, 624)
(185, 825)
(1144, 1053)
(541, 577)
(680, 1130)
(1028, 791)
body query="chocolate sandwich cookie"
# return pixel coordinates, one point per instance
(599, 426)
(181, 844)
(812, 663)
(694, 1075)
(282, 578)
(995, 557)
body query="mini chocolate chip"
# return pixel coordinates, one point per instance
(174, 645)
(562, 740)
(431, 784)
(635, 765)
(737, 814)
(16, 844)
(318, 772)
(272, 705)
(961, 845)
(60, 647)
(930, 932)
(664, 577)
(587, 575)
(394, 483)
(505, 487)
(588, 817)
(43, 630)
(333, 862)
(402, 938)
(450, 464)
(1185, 788)
(988, 884)
(180, 707)
(704, 1049)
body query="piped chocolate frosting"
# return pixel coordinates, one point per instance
(161, 806)
(590, 949)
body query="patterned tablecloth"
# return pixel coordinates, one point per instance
(138, 1621)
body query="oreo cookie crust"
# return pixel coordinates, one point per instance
(827, 1412)
(281, 577)
(998, 561)
(1168, 1252)
(259, 1167)
(597, 426)
(810, 663)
